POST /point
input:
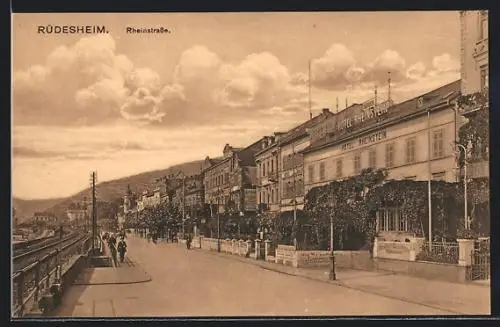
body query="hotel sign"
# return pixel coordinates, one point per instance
(365, 140)
(368, 111)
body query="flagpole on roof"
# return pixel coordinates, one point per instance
(309, 91)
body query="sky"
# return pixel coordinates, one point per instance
(122, 103)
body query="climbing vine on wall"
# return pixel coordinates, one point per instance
(344, 202)
(476, 131)
(411, 198)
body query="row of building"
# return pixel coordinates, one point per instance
(413, 140)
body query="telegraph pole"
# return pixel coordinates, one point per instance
(294, 196)
(183, 202)
(93, 177)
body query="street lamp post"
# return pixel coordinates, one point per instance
(466, 220)
(333, 276)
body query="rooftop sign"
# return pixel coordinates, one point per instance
(368, 111)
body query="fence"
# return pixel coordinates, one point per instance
(480, 268)
(441, 252)
(31, 282)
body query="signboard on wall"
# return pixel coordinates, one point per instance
(365, 140)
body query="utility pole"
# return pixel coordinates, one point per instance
(218, 220)
(294, 197)
(309, 91)
(93, 177)
(183, 202)
(429, 177)
(389, 88)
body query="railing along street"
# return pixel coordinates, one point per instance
(442, 252)
(30, 283)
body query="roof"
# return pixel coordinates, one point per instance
(394, 114)
(301, 130)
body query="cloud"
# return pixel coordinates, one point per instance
(26, 152)
(338, 70)
(416, 71)
(89, 83)
(330, 70)
(445, 63)
(387, 61)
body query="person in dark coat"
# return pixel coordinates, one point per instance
(122, 248)
(112, 248)
(188, 241)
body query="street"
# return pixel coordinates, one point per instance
(197, 283)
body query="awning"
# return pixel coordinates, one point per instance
(235, 188)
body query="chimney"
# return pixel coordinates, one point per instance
(326, 111)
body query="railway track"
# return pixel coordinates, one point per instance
(27, 257)
(20, 248)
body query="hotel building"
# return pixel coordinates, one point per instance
(412, 140)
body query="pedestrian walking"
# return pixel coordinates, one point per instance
(188, 241)
(112, 240)
(112, 248)
(122, 249)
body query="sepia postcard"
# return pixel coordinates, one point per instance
(271, 164)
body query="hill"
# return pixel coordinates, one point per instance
(111, 190)
(26, 208)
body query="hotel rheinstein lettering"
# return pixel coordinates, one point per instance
(369, 111)
(365, 140)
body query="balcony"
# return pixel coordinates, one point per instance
(481, 48)
(269, 179)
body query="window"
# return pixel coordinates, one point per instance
(483, 25)
(391, 219)
(263, 169)
(441, 176)
(357, 163)
(322, 171)
(484, 77)
(410, 150)
(339, 167)
(272, 196)
(311, 173)
(372, 158)
(438, 144)
(272, 165)
(389, 155)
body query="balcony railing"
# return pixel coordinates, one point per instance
(480, 48)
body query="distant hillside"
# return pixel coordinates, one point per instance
(111, 190)
(26, 208)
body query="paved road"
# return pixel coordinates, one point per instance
(195, 283)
